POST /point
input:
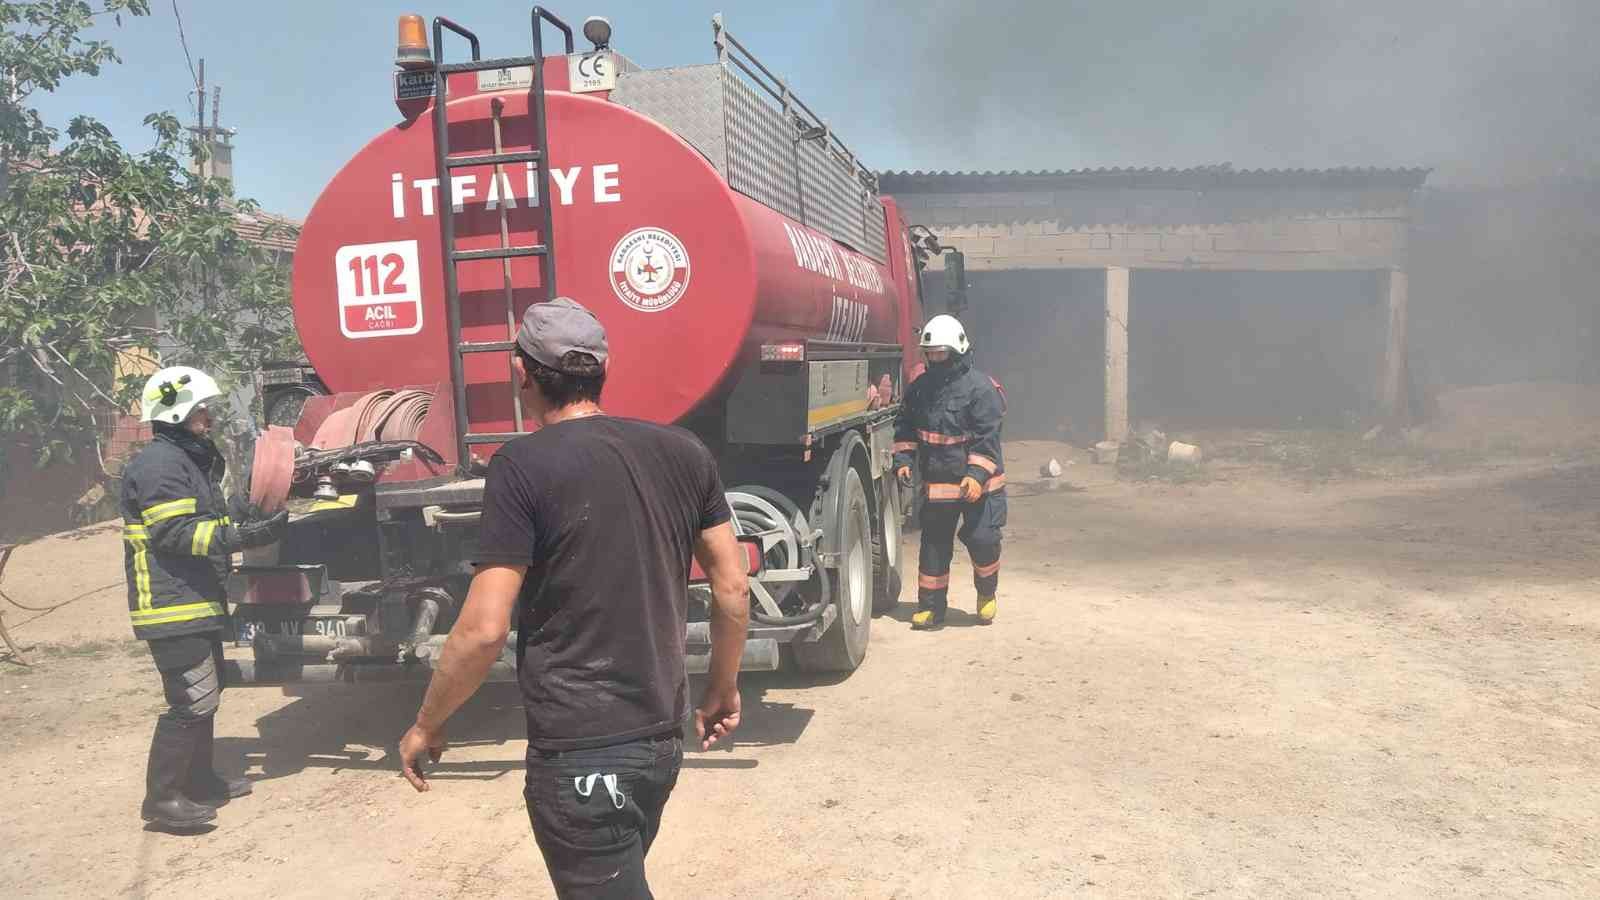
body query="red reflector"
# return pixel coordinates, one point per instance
(752, 556)
(790, 352)
(279, 587)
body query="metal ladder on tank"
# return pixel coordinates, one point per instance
(538, 155)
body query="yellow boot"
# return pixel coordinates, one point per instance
(986, 610)
(927, 619)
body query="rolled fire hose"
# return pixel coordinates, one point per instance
(379, 416)
(272, 470)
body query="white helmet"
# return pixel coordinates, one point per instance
(173, 393)
(945, 331)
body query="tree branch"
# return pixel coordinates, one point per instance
(22, 260)
(79, 372)
(44, 368)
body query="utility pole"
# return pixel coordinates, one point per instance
(198, 129)
(200, 104)
(213, 144)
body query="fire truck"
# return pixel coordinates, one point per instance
(755, 288)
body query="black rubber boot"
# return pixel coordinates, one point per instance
(204, 784)
(171, 750)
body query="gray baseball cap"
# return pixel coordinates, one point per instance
(552, 330)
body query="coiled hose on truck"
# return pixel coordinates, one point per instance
(761, 510)
(378, 426)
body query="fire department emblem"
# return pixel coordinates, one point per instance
(649, 269)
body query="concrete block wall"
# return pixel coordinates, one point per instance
(1117, 233)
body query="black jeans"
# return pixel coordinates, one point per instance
(595, 813)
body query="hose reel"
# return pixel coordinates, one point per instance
(789, 555)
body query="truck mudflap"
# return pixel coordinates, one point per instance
(760, 655)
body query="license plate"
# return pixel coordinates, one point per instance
(324, 626)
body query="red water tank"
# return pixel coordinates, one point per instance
(688, 276)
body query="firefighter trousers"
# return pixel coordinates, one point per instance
(181, 748)
(978, 525)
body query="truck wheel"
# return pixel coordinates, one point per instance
(283, 406)
(886, 549)
(844, 646)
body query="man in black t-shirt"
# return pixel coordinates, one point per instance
(588, 528)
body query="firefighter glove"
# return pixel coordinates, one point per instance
(241, 510)
(971, 490)
(904, 475)
(259, 533)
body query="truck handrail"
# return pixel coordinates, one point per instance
(779, 90)
(540, 12)
(439, 24)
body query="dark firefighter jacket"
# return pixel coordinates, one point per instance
(949, 428)
(175, 534)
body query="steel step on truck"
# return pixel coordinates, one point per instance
(755, 287)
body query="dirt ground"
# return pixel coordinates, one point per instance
(1256, 685)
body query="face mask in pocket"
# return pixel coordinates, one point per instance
(584, 785)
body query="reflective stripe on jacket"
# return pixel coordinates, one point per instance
(949, 429)
(173, 539)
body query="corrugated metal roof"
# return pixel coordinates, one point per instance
(1221, 176)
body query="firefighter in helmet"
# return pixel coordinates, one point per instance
(178, 538)
(948, 432)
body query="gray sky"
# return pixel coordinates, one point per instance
(1476, 89)
(1482, 91)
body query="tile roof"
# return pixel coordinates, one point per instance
(268, 231)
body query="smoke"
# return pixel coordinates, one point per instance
(1481, 91)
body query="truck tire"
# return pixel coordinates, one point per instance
(844, 645)
(887, 563)
(282, 406)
